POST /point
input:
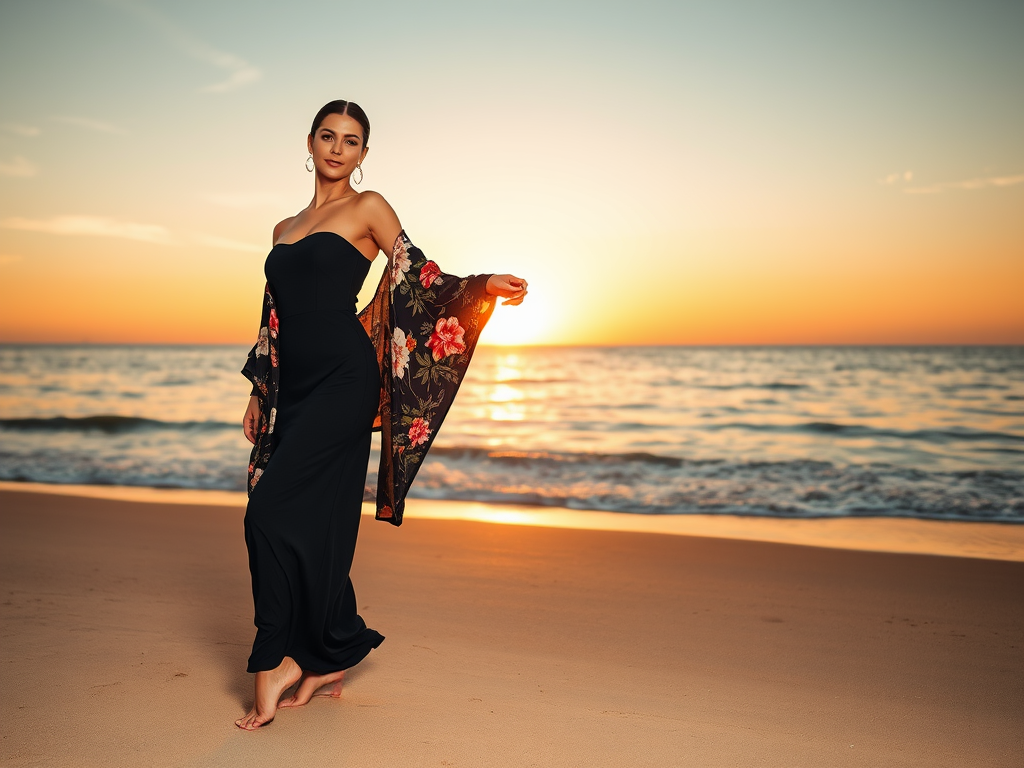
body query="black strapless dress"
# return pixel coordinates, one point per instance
(303, 516)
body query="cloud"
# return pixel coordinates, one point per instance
(245, 200)
(103, 226)
(239, 72)
(18, 166)
(93, 125)
(9, 258)
(895, 178)
(20, 130)
(968, 185)
(213, 241)
(99, 226)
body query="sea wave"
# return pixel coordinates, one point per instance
(644, 483)
(633, 482)
(511, 457)
(770, 385)
(107, 423)
(861, 430)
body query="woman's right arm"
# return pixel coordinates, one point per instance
(251, 419)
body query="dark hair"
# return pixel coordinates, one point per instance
(342, 107)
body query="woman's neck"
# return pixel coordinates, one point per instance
(331, 191)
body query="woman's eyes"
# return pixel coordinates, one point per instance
(350, 142)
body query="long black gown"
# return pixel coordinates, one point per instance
(324, 379)
(303, 516)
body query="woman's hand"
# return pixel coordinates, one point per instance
(251, 419)
(511, 287)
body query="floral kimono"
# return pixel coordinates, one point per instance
(424, 324)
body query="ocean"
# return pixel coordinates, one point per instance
(930, 432)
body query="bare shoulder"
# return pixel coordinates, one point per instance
(374, 203)
(381, 219)
(281, 227)
(377, 212)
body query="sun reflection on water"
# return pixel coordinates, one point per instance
(508, 368)
(504, 401)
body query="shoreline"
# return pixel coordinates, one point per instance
(950, 538)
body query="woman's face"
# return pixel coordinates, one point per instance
(337, 146)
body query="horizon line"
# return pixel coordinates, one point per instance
(695, 345)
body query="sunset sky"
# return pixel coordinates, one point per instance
(693, 173)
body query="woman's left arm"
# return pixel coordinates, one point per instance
(381, 220)
(385, 228)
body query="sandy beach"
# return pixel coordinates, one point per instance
(126, 626)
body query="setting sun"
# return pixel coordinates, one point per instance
(511, 326)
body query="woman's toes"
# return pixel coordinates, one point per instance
(248, 722)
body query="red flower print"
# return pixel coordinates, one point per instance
(447, 338)
(273, 323)
(419, 432)
(273, 356)
(410, 343)
(429, 273)
(387, 512)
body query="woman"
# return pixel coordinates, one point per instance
(323, 379)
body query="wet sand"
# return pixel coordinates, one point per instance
(126, 626)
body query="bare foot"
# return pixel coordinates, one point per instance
(269, 687)
(310, 683)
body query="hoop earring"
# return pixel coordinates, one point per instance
(308, 168)
(360, 169)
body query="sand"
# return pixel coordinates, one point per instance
(126, 626)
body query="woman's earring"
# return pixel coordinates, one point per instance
(309, 164)
(360, 179)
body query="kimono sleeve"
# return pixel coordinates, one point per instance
(261, 368)
(433, 324)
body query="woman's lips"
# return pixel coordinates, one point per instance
(333, 163)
